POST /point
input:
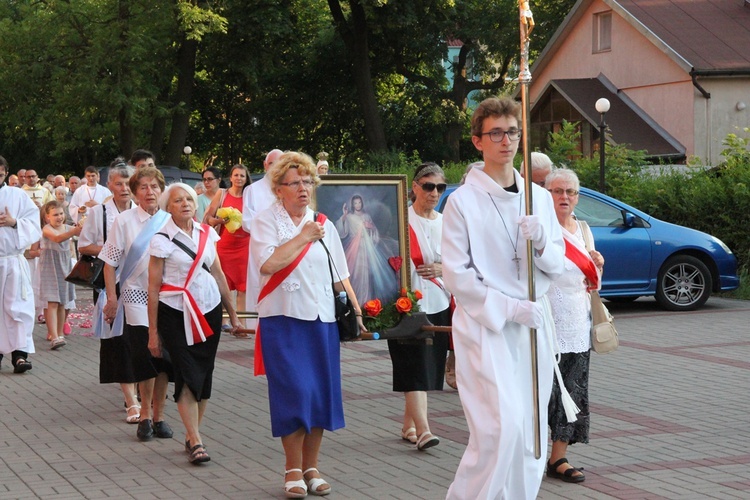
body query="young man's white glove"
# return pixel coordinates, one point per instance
(532, 229)
(526, 312)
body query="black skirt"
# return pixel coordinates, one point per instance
(574, 368)
(418, 366)
(115, 364)
(193, 365)
(145, 366)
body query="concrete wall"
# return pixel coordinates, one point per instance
(718, 116)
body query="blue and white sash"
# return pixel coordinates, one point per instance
(135, 253)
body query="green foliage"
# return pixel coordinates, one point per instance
(391, 162)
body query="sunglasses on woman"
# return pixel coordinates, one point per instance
(429, 187)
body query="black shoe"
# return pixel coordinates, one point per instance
(162, 430)
(21, 366)
(145, 430)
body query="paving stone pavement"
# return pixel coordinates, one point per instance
(669, 421)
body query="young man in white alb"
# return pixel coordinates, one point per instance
(485, 266)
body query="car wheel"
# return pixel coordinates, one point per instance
(684, 283)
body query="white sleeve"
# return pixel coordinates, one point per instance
(93, 231)
(75, 204)
(161, 247)
(248, 208)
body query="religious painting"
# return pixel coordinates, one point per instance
(370, 214)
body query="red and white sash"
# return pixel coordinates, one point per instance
(276, 279)
(418, 259)
(581, 258)
(197, 328)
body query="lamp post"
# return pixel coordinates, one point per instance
(188, 151)
(602, 106)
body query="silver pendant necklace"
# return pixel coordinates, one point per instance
(516, 259)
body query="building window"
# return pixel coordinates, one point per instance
(602, 32)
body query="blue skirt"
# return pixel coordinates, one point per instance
(303, 367)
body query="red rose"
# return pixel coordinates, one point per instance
(403, 304)
(373, 307)
(418, 294)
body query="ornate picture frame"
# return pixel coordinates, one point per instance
(374, 232)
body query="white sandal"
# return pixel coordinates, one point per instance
(290, 485)
(133, 419)
(427, 440)
(316, 482)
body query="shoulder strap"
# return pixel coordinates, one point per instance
(104, 221)
(585, 230)
(185, 248)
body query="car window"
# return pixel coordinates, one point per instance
(596, 213)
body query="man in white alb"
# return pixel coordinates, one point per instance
(256, 197)
(89, 195)
(485, 267)
(19, 228)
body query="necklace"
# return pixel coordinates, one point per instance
(516, 259)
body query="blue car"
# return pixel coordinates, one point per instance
(645, 256)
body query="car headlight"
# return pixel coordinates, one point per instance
(722, 245)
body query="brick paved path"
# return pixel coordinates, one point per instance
(670, 420)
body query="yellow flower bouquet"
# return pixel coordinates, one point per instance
(232, 216)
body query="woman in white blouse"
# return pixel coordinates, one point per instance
(186, 282)
(298, 333)
(115, 365)
(571, 307)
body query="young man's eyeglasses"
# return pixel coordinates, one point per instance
(496, 135)
(429, 187)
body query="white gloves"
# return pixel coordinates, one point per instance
(532, 229)
(527, 313)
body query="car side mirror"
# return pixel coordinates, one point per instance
(628, 219)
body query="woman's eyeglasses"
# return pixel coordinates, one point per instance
(209, 179)
(429, 187)
(559, 191)
(296, 184)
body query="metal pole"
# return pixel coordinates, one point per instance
(602, 132)
(524, 79)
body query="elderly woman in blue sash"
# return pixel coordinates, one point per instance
(126, 258)
(571, 307)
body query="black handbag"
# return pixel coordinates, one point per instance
(89, 270)
(346, 316)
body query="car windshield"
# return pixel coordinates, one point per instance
(596, 213)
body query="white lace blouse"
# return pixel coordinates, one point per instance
(571, 305)
(306, 293)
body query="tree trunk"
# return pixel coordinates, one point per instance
(458, 96)
(159, 128)
(355, 38)
(183, 98)
(127, 134)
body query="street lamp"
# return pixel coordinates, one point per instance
(188, 151)
(602, 106)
